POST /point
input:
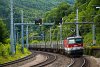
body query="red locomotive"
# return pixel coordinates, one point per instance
(73, 45)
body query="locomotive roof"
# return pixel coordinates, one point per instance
(74, 37)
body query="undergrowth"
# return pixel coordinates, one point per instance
(5, 55)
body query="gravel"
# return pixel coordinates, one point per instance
(62, 61)
(39, 58)
(98, 61)
(93, 62)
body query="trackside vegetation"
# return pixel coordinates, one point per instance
(92, 51)
(5, 55)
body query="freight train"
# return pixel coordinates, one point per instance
(70, 45)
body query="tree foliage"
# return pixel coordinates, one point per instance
(3, 32)
(57, 13)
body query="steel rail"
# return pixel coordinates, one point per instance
(74, 60)
(83, 62)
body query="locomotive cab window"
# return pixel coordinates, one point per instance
(75, 40)
(79, 40)
(71, 41)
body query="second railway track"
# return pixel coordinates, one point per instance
(50, 59)
(78, 62)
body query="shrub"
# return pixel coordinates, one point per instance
(97, 55)
(6, 57)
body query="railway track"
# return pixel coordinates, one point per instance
(50, 59)
(78, 62)
(75, 62)
(10, 64)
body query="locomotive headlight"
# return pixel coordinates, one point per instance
(69, 49)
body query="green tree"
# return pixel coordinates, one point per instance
(57, 13)
(3, 32)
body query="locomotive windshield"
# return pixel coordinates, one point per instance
(79, 40)
(71, 41)
(76, 40)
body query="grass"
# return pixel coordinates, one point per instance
(5, 53)
(34, 41)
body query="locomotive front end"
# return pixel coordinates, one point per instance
(74, 45)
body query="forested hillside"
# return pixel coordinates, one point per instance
(32, 9)
(87, 13)
(53, 11)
